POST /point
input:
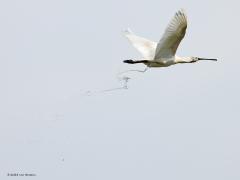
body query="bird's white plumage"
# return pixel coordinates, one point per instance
(163, 54)
(146, 47)
(172, 36)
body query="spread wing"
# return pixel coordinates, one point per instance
(172, 36)
(146, 47)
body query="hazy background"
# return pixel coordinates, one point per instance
(180, 122)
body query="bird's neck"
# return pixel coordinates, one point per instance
(183, 59)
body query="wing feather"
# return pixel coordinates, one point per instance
(172, 36)
(146, 47)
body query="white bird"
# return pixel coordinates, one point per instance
(162, 54)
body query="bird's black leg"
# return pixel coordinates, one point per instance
(130, 61)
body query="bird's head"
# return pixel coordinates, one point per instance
(195, 59)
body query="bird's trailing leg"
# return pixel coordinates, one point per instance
(130, 61)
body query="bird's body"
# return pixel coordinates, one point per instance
(163, 53)
(163, 62)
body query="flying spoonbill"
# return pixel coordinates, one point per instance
(162, 54)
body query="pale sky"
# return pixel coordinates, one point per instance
(180, 122)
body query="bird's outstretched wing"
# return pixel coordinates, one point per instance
(146, 47)
(172, 36)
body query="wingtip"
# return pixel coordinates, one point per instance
(182, 11)
(127, 31)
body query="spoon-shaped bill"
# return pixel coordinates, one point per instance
(207, 59)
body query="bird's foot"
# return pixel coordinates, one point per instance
(129, 61)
